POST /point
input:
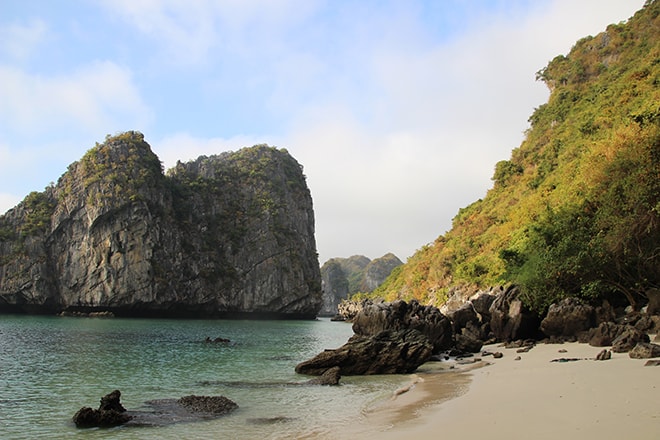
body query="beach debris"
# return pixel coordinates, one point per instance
(563, 350)
(217, 340)
(652, 363)
(498, 355)
(645, 350)
(517, 358)
(563, 360)
(269, 420)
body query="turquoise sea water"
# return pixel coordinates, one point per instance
(52, 366)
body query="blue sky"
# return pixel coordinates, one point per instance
(398, 110)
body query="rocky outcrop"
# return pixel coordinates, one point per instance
(331, 376)
(387, 352)
(343, 277)
(568, 318)
(110, 413)
(644, 350)
(511, 319)
(222, 236)
(400, 315)
(163, 412)
(389, 338)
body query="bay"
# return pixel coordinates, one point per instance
(52, 366)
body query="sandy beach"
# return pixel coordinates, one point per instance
(532, 397)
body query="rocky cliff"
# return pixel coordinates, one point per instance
(222, 236)
(342, 277)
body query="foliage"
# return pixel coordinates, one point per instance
(574, 211)
(38, 211)
(120, 169)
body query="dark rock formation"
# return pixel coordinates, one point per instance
(331, 376)
(208, 404)
(343, 277)
(628, 338)
(604, 355)
(110, 413)
(347, 310)
(163, 412)
(603, 335)
(644, 350)
(511, 319)
(222, 236)
(568, 318)
(399, 315)
(387, 352)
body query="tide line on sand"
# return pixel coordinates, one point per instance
(526, 395)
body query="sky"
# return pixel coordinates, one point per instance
(397, 110)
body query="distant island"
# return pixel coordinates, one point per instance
(345, 277)
(230, 235)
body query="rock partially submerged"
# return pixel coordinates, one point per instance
(162, 412)
(110, 413)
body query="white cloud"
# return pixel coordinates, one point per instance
(7, 201)
(99, 97)
(19, 41)
(187, 31)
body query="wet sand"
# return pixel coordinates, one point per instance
(528, 398)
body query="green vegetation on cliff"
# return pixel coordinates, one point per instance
(576, 209)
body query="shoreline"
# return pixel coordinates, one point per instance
(532, 397)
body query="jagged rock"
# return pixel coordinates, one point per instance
(568, 318)
(603, 335)
(388, 352)
(462, 316)
(644, 350)
(223, 235)
(481, 302)
(628, 338)
(330, 377)
(467, 343)
(163, 412)
(348, 310)
(399, 315)
(604, 355)
(87, 417)
(510, 318)
(110, 413)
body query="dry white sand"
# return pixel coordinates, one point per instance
(530, 398)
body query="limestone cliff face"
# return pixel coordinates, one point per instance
(342, 277)
(222, 236)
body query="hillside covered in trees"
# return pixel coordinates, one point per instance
(575, 210)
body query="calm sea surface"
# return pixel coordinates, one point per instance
(52, 366)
